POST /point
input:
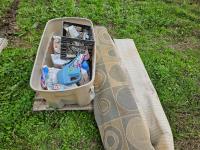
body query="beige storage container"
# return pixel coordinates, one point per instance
(79, 95)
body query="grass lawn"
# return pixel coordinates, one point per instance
(167, 35)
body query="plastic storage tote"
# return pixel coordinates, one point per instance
(80, 95)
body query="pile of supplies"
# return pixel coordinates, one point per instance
(71, 58)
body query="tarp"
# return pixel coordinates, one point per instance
(126, 107)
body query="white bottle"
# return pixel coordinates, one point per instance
(84, 78)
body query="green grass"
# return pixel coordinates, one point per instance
(167, 35)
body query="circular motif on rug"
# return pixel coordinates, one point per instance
(104, 37)
(98, 57)
(111, 53)
(104, 105)
(98, 48)
(117, 73)
(100, 79)
(135, 133)
(112, 138)
(125, 98)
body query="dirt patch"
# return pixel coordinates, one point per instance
(8, 26)
(180, 2)
(8, 22)
(195, 2)
(18, 42)
(93, 145)
(185, 44)
(185, 121)
(188, 144)
(77, 2)
(196, 33)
